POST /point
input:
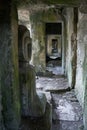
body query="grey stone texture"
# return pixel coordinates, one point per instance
(52, 84)
(81, 58)
(69, 27)
(37, 23)
(9, 66)
(32, 104)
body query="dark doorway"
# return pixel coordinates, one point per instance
(53, 28)
(53, 33)
(54, 46)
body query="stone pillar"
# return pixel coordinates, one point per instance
(9, 64)
(81, 72)
(32, 104)
(73, 58)
(84, 22)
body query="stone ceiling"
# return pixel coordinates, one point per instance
(50, 2)
(45, 4)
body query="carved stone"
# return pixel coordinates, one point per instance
(32, 104)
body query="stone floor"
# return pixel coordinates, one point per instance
(53, 84)
(66, 110)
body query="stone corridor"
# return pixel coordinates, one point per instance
(43, 65)
(66, 111)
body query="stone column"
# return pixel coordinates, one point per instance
(81, 72)
(85, 71)
(9, 64)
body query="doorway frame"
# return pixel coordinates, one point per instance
(62, 42)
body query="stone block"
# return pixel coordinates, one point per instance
(48, 117)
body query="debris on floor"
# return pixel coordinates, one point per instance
(66, 112)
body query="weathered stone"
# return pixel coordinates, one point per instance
(39, 38)
(52, 84)
(83, 7)
(1, 117)
(67, 114)
(81, 58)
(48, 96)
(73, 58)
(48, 117)
(65, 111)
(33, 104)
(51, 2)
(9, 66)
(69, 26)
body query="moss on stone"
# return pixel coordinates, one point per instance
(9, 71)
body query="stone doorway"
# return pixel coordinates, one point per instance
(54, 47)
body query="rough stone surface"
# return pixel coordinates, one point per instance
(81, 58)
(48, 96)
(81, 89)
(55, 70)
(69, 26)
(52, 84)
(48, 117)
(38, 20)
(9, 67)
(1, 116)
(67, 112)
(51, 2)
(41, 123)
(32, 103)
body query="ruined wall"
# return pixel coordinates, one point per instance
(81, 57)
(69, 28)
(9, 65)
(38, 20)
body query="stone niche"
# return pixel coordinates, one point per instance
(54, 46)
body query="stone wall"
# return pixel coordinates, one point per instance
(81, 72)
(81, 57)
(9, 65)
(1, 118)
(38, 20)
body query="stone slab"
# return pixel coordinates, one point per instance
(52, 84)
(65, 111)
